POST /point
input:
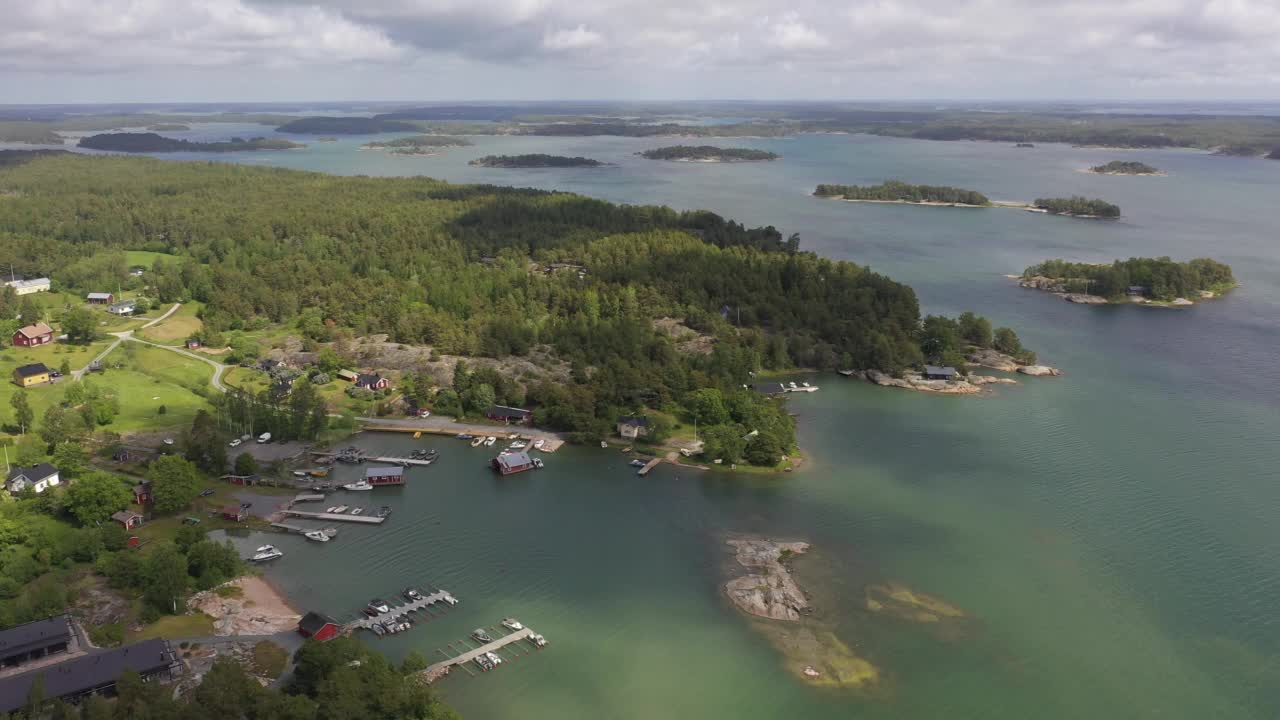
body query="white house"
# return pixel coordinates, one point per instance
(37, 477)
(26, 287)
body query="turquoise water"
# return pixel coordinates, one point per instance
(1111, 533)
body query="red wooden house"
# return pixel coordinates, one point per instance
(318, 627)
(509, 463)
(509, 415)
(234, 513)
(142, 493)
(128, 519)
(372, 381)
(97, 298)
(32, 335)
(385, 475)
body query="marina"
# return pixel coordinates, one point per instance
(355, 455)
(471, 654)
(394, 612)
(340, 517)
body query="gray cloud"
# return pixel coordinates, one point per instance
(774, 48)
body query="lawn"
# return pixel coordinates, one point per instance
(144, 258)
(175, 626)
(177, 328)
(41, 397)
(150, 378)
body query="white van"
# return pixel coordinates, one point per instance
(264, 438)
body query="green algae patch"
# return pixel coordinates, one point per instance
(896, 599)
(818, 658)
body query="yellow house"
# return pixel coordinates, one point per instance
(29, 375)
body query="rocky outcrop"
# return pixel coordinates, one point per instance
(770, 591)
(257, 610)
(1083, 299)
(970, 385)
(996, 360)
(1039, 371)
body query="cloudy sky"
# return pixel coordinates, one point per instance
(283, 50)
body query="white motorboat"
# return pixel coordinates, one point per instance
(357, 511)
(316, 535)
(538, 640)
(537, 462)
(339, 509)
(489, 441)
(377, 607)
(480, 635)
(265, 548)
(493, 658)
(512, 624)
(792, 385)
(477, 442)
(362, 485)
(513, 436)
(265, 553)
(518, 445)
(331, 508)
(537, 444)
(604, 444)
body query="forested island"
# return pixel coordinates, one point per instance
(707, 153)
(534, 160)
(1122, 167)
(346, 126)
(1077, 206)
(168, 127)
(1159, 280)
(152, 142)
(417, 144)
(896, 191)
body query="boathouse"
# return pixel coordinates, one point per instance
(384, 475)
(509, 415)
(32, 335)
(100, 298)
(632, 427)
(933, 372)
(93, 674)
(234, 513)
(21, 644)
(509, 463)
(28, 375)
(318, 627)
(128, 518)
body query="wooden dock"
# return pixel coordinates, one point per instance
(649, 466)
(402, 461)
(366, 519)
(365, 623)
(438, 669)
(289, 528)
(308, 497)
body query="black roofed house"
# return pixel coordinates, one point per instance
(31, 641)
(1136, 290)
(509, 415)
(37, 477)
(933, 372)
(769, 388)
(268, 364)
(124, 307)
(33, 374)
(92, 674)
(372, 381)
(633, 426)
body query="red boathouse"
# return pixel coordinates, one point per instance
(509, 463)
(318, 627)
(387, 475)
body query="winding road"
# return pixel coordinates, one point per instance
(218, 368)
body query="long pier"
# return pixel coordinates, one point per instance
(396, 611)
(649, 466)
(372, 458)
(308, 497)
(435, 670)
(366, 519)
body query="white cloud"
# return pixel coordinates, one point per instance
(791, 34)
(579, 38)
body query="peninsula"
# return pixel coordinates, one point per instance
(1122, 167)
(417, 144)
(153, 142)
(535, 160)
(1076, 206)
(896, 191)
(707, 154)
(1153, 281)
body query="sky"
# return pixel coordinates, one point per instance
(74, 51)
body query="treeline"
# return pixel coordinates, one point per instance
(896, 190)
(153, 142)
(322, 125)
(1078, 206)
(1156, 278)
(1123, 167)
(533, 160)
(707, 152)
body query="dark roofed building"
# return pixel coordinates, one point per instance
(933, 372)
(509, 415)
(92, 674)
(28, 375)
(37, 477)
(384, 475)
(128, 519)
(508, 463)
(371, 381)
(769, 388)
(318, 627)
(33, 640)
(633, 426)
(97, 298)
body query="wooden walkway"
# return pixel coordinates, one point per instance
(378, 459)
(396, 611)
(649, 466)
(436, 670)
(366, 519)
(308, 497)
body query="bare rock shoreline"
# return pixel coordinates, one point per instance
(769, 591)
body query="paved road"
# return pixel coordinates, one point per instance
(218, 368)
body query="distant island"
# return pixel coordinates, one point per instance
(151, 142)
(1274, 154)
(417, 144)
(168, 127)
(536, 160)
(1122, 167)
(1076, 206)
(707, 153)
(327, 139)
(1158, 281)
(346, 126)
(1025, 145)
(896, 191)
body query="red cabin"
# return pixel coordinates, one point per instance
(388, 475)
(128, 519)
(142, 493)
(32, 335)
(509, 415)
(318, 627)
(509, 463)
(234, 513)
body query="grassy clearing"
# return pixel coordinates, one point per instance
(144, 258)
(175, 626)
(269, 659)
(177, 328)
(41, 397)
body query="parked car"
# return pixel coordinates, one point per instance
(235, 443)
(264, 438)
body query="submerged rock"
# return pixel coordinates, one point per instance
(901, 601)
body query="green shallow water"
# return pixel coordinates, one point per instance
(1111, 533)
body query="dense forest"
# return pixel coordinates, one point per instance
(896, 190)
(321, 125)
(1155, 278)
(534, 160)
(152, 142)
(1078, 206)
(1122, 167)
(460, 268)
(708, 153)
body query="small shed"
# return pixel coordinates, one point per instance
(128, 518)
(142, 493)
(632, 427)
(100, 298)
(235, 513)
(934, 372)
(192, 344)
(348, 375)
(318, 627)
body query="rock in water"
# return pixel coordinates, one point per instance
(1039, 371)
(770, 593)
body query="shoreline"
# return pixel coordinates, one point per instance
(1091, 171)
(1056, 286)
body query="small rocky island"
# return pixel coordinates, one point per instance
(770, 591)
(708, 154)
(896, 191)
(1076, 206)
(151, 142)
(1122, 167)
(1157, 282)
(535, 160)
(417, 144)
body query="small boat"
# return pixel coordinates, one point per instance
(792, 385)
(538, 640)
(484, 662)
(513, 436)
(266, 548)
(450, 599)
(377, 607)
(537, 462)
(481, 635)
(384, 511)
(357, 511)
(489, 441)
(477, 442)
(331, 508)
(464, 436)
(390, 627)
(636, 463)
(412, 594)
(494, 658)
(362, 485)
(316, 535)
(512, 624)
(318, 472)
(265, 553)
(626, 449)
(603, 444)
(339, 509)
(378, 629)
(517, 445)
(299, 473)
(805, 384)
(537, 444)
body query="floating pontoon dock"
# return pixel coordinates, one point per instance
(396, 611)
(366, 519)
(437, 669)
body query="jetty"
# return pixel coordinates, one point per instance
(437, 670)
(364, 457)
(308, 497)
(439, 426)
(339, 517)
(367, 622)
(649, 466)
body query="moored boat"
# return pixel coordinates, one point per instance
(316, 535)
(357, 486)
(265, 553)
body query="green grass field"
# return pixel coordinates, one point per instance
(150, 378)
(144, 258)
(177, 328)
(40, 397)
